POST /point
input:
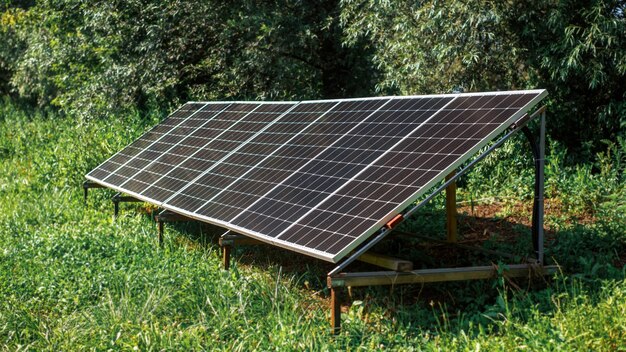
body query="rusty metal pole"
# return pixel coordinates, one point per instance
(226, 256)
(540, 187)
(160, 231)
(451, 226)
(335, 310)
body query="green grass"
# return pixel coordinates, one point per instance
(73, 279)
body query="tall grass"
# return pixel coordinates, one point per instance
(73, 279)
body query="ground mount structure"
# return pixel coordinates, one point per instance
(328, 178)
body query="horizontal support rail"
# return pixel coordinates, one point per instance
(231, 239)
(89, 184)
(125, 199)
(170, 216)
(381, 278)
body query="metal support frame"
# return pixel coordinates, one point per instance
(402, 274)
(87, 185)
(337, 278)
(119, 198)
(538, 147)
(167, 216)
(377, 278)
(335, 309)
(451, 228)
(228, 240)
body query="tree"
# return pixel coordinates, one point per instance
(436, 46)
(575, 49)
(12, 17)
(98, 58)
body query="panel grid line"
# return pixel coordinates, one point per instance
(377, 124)
(363, 170)
(400, 182)
(156, 141)
(316, 177)
(223, 131)
(173, 145)
(143, 135)
(228, 155)
(272, 183)
(433, 181)
(299, 169)
(276, 150)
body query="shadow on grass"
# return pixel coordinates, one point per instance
(586, 252)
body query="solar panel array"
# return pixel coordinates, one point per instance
(317, 177)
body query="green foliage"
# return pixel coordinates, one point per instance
(596, 187)
(578, 52)
(102, 58)
(575, 49)
(12, 18)
(95, 58)
(437, 46)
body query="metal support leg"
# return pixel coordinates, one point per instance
(226, 256)
(87, 185)
(540, 187)
(116, 205)
(160, 226)
(451, 227)
(335, 310)
(537, 146)
(230, 240)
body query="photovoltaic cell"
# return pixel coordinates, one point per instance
(405, 169)
(268, 159)
(276, 209)
(210, 180)
(125, 155)
(336, 162)
(153, 167)
(317, 177)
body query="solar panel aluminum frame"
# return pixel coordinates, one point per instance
(285, 244)
(365, 236)
(336, 258)
(271, 240)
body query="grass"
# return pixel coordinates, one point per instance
(73, 279)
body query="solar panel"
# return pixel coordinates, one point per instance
(317, 177)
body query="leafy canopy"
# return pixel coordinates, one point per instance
(103, 58)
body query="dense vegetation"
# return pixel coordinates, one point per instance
(81, 79)
(102, 58)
